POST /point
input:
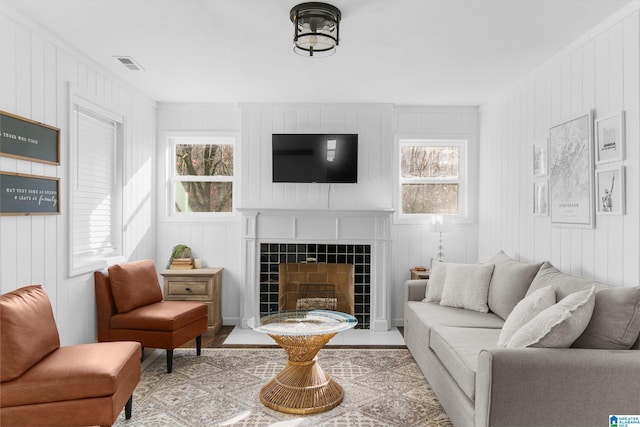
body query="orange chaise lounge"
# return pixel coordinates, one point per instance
(130, 307)
(44, 384)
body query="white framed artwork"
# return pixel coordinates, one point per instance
(610, 138)
(571, 195)
(540, 159)
(541, 198)
(610, 187)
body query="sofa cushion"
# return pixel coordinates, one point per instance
(467, 286)
(458, 349)
(615, 323)
(166, 316)
(29, 330)
(431, 314)
(422, 316)
(437, 275)
(524, 311)
(509, 283)
(98, 369)
(134, 285)
(564, 284)
(559, 325)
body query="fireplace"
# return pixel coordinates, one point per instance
(360, 238)
(340, 271)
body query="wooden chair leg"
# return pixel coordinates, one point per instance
(169, 361)
(199, 345)
(127, 407)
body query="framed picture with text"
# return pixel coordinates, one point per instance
(22, 194)
(610, 138)
(26, 139)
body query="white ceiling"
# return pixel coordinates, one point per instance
(421, 52)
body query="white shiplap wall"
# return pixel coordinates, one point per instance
(216, 241)
(35, 75)
(417, 244)
(372, 123)
(600, 71)
(377, 126)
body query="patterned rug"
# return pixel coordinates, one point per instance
(220, 388)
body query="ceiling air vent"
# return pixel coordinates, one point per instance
(130, 63)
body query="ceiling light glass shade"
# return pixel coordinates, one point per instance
(316, 29)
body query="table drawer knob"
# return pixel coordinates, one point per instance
(187, 289)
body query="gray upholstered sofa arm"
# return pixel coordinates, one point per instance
(568, 387)
(414, 290)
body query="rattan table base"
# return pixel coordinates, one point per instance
(302, 387)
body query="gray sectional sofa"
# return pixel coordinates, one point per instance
(528, 380)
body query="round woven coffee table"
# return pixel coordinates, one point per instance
(302, 387)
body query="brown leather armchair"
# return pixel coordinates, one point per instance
(43, 384)
(130, 307)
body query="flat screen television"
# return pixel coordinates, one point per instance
(321, 158)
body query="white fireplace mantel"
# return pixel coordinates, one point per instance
(371, 227)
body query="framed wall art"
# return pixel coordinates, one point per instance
(610, 187)
(571, 198)
(540, 159)
(22, 194)
(541, 198)
(26, 139)
(610, 138)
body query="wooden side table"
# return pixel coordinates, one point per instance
(415, 274)
(198, 284)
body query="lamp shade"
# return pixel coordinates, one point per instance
(441, 224)
(316, 28)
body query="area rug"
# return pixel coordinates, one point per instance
(220, 388)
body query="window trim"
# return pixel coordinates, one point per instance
(431, 140)
(94, 105)
(166, 158)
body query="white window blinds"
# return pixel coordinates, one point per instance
(94, 186)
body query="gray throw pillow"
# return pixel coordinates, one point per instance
(435, 284)
(524, 311)
(615, 323)
(563, 283)
(559, 325)
(467, 286)
(509, 284)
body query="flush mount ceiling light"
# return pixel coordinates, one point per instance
(316, 29)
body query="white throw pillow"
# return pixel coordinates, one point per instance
(559, 325)
(435, 284)
(525, 310)
(467, 286)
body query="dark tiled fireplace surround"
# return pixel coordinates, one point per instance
(273, 254)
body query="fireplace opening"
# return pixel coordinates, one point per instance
(316, 290)
(316, 286)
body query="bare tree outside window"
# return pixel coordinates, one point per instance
(429, 176)
(205, 174)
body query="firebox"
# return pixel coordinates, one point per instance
(303, 286)
(312, 292)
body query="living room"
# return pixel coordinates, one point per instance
(596, 69)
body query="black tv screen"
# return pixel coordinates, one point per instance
(322, 158)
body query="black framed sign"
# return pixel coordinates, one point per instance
(22, 194)
(27, 139)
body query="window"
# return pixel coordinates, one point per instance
(201, 175)
(95, 196)
(432, 177)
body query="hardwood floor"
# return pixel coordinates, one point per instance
(211, 340)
